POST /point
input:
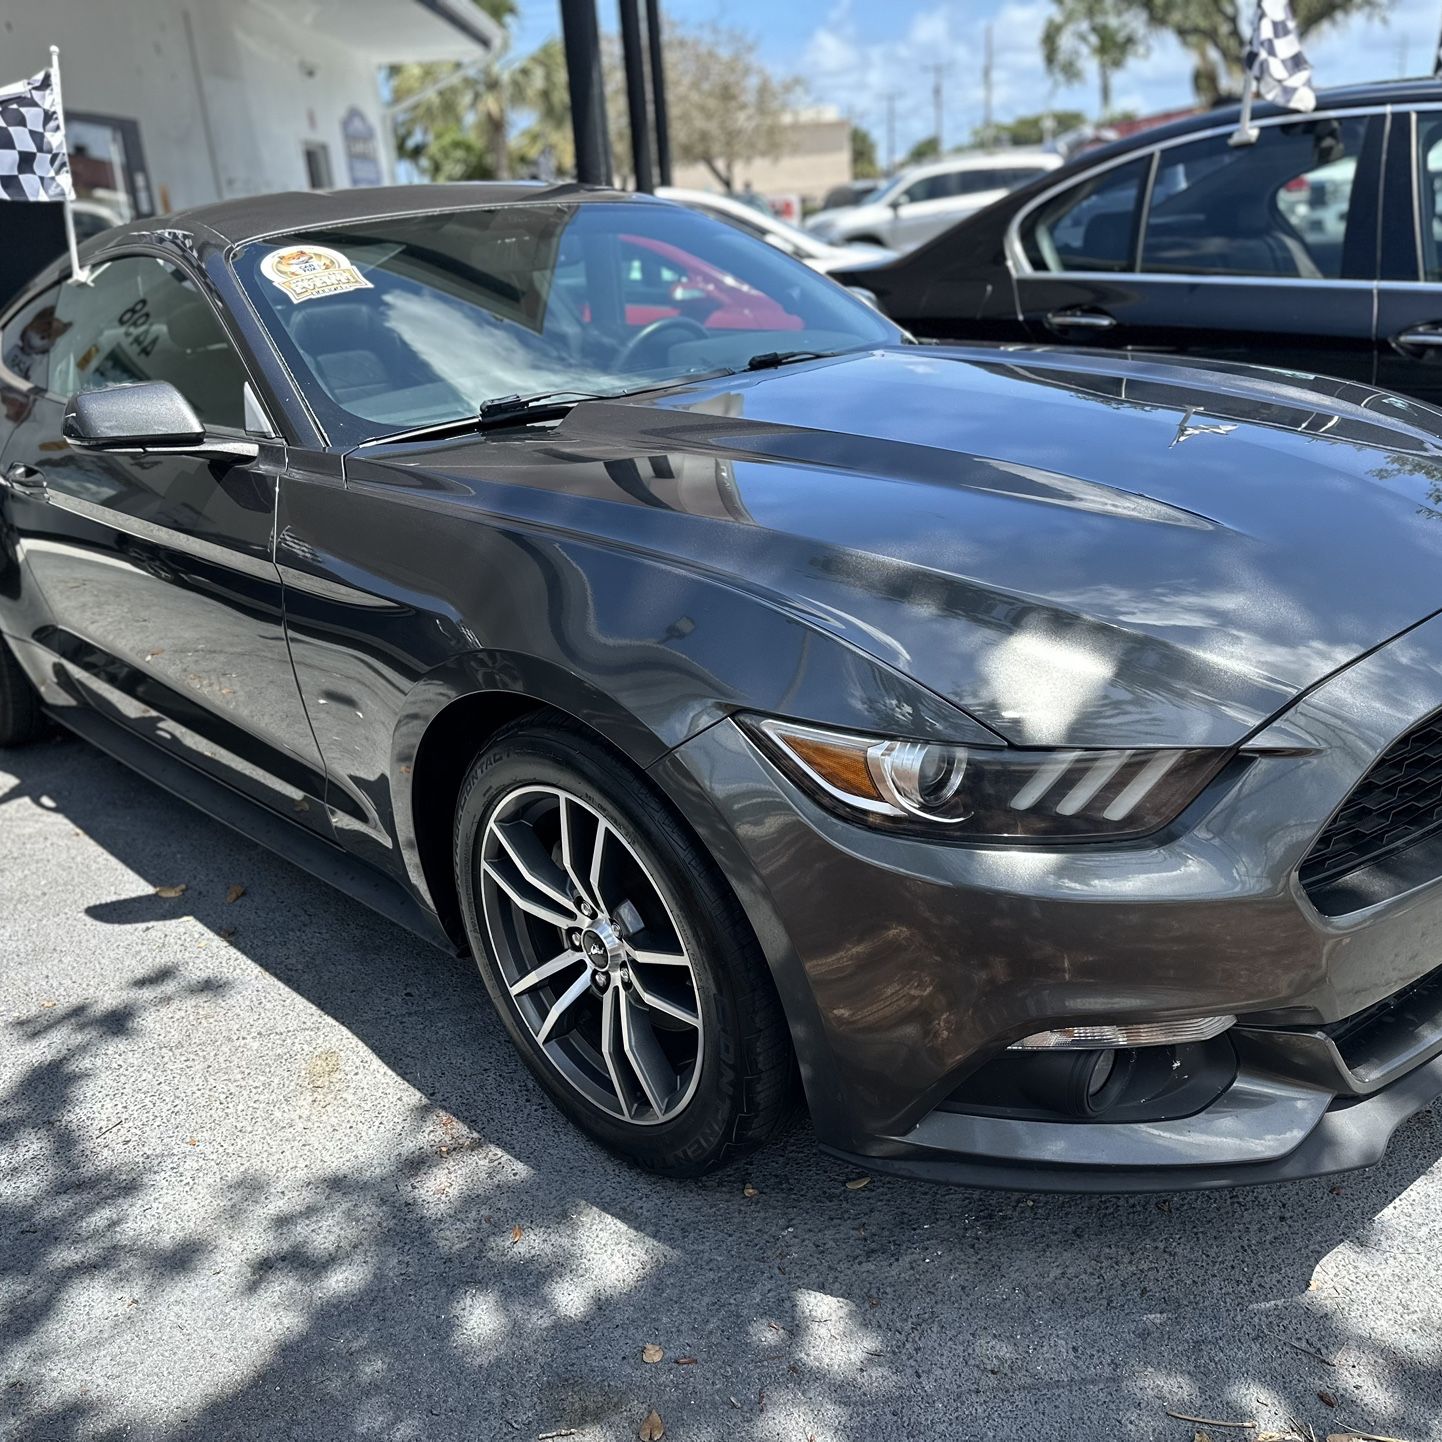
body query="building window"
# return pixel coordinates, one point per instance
(317, 165)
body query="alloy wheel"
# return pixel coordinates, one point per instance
(590, 954)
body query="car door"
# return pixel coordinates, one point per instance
(1409, 297)
(1264, 253)
(155, 572)
(925, 208)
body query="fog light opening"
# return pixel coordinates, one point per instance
(1080, 1084)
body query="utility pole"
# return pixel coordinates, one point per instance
(937, 72)
(891, 132)
(986, 89)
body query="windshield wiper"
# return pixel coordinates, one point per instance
(769, 360)
(504, 409)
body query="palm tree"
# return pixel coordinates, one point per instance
(459, 130)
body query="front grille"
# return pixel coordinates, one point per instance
(1397, 803)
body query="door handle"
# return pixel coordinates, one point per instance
(1079, 320)
(1419, 338)
(21, 477)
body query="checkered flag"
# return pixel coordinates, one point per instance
(33, 161)
(1275, 60)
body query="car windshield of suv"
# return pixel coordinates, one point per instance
(422, 319)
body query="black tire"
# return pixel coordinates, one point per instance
(745, 1084)
(21, 717)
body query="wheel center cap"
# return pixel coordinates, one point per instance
(601, 945)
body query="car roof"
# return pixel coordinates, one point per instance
(254, 216)
(983, 160)
(683, 196)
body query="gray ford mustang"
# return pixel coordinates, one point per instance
(1032, 759)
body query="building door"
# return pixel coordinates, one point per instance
(317, 165)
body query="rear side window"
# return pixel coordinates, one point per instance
(1276, 208)
(1429, 194)
(140, 319)
(28, 338)
(1091, 226)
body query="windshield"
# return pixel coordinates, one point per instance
(413, 321)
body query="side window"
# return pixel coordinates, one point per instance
(975, 182)
(30, 336)
(1276, 208)
(1429, 194)
(140, 319)
(929, 187)
(1092, 226)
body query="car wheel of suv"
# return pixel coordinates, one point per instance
(624, 969)
(21, 718)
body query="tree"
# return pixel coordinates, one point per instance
(927, 149)
(728, 109)
(1100, 33)
(457, 129)
(1215, 33)
(540, 88)
(863, 154)
(1030, 129)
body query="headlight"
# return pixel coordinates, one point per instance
(989, 793)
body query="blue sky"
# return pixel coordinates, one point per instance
(852, 52)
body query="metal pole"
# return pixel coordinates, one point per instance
(635, 59)
(658, 92)
(588, 96)
(80, 277)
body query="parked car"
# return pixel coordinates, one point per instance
(1032, 754)
(927, 199)
(853, 192)
(1318, 248)
(791, 239)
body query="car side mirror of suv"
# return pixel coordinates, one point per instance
(148, 417)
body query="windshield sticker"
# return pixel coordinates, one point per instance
(306, 272)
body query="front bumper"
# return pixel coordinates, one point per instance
(905, 966)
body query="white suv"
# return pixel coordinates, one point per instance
(925, 200)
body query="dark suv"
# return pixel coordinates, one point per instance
(1318, 248)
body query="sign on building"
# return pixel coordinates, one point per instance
(362, 154)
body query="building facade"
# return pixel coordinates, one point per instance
(815, 156)
(172, 103)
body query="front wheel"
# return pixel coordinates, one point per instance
(623, 967)
(21, 717)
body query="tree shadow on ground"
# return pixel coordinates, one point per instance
(380, 1291)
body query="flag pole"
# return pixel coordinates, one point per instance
(79, 276)
(1246, 133)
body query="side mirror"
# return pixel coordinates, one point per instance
(869, 296)
(143, 418)
(895, 203)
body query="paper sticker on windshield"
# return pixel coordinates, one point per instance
(306, 272)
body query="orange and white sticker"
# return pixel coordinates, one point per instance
(307, 272)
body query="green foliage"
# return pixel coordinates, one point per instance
(1030, 129)
(1213, 32)
(457, 128)
(500, 119)
(927, 149)
(1099, 34)
(864, 164)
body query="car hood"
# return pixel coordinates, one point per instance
(859, 256)
(1076, 549)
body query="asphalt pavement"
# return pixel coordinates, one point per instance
(269, 1169)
